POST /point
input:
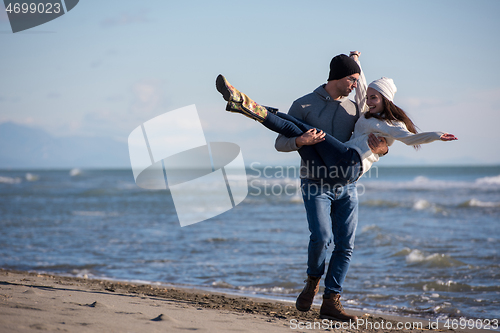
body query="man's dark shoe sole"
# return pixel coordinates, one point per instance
(302, 309)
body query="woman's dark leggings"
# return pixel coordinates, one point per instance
(329, 160)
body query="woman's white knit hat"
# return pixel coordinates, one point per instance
(385, 86)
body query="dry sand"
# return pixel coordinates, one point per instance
(31, 302)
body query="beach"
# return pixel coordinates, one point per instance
(32, 302)
(416, 251)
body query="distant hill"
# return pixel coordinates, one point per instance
(26, 147)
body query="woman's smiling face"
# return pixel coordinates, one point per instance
(374, 101)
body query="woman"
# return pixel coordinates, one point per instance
(331, 160)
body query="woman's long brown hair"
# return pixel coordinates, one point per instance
(391, 113)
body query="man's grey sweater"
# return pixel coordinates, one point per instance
(318, 109)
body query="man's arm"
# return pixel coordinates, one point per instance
(283, 143)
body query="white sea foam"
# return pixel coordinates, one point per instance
(489, 180)
(31, 177)
(415, 256)
(371, 227)
(255, 290)
(421, 204)
(449, 285)
(94, 213)
(10, 180)
(435, 259)
(222, 284)
(478, 203)
(82, 273)
(424, 183)
(271, 290)
(296, 199)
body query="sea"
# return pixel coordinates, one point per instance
(427, 242)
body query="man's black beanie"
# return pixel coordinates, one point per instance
(342, 66)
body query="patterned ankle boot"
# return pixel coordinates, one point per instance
(239, 102)
(229, 93)
(253, 111)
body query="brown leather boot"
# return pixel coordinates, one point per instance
(306, 297)
(332, 309)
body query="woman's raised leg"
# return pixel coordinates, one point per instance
(330, 155)
(332, 152)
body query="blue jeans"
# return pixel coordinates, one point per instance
(332, 214)
(330, 198)
(330, 160)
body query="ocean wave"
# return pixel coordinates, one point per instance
(381, 203)
(296, 199)
(417, 257)
(418, 204)
(75, 172)
(10, 180)
(222, 284)
(73, 270)
(489, 180)
(287, 289)
(219, 240)
(422, 183)
(419, 183)
(432, 260)
(421, 204)
(478, 203)
(94, 213)
(425, 205)
(31, 177)
(268, 290)
(263, 182)
(451, 286)
(371, 228)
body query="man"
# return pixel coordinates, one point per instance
(331, 212)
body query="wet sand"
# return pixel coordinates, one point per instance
(31, 302)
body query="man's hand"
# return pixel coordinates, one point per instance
(311, 137)
(377, 145)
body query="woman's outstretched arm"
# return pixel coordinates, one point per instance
(398, 131)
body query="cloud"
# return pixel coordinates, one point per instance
(28, 121)
(473, 111)
(145, 100)
(418, 102)
(473, 119)
(125, 19)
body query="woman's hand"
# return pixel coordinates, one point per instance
(355, 54)
(448, 137)
(311, 137)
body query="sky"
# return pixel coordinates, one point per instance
(106, 67)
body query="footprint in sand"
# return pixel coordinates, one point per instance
(30, 292)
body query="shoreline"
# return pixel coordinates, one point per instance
(32, 301)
